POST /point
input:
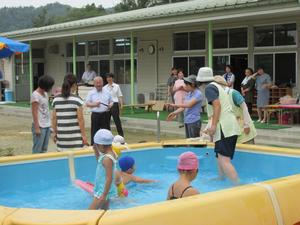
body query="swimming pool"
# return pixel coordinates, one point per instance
(43, 182)
(47, 185)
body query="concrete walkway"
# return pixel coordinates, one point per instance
(288, 137)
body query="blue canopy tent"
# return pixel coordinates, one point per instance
(9, 47)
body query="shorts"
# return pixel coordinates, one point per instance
(192, 130)
(226, 146)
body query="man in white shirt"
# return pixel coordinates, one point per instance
(89, 75)
(117, 98)
(229, 76)
(100, 101)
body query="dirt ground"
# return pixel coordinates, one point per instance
(16, 138)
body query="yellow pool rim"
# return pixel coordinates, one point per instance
(272, 202)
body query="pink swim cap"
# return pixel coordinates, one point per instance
(188, 161)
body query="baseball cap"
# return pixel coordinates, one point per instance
(126, 163)
(190, 79)
(103, 137)
(188, 161)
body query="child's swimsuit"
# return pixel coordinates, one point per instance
(173, 196)
(100, 178)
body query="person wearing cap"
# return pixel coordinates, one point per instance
(127, 166)
(241, 112)
(191, 107)
(119, 145)
(117, 98)
(106, 164)
(187, 167)
(223, 126)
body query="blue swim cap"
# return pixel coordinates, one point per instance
(126, 163)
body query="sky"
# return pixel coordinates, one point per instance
(74, 3)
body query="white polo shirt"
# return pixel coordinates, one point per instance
(114, 90)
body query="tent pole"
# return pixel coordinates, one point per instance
(30, 69)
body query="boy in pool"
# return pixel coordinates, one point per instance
(104, 187)
(127, 166)
(188, 169)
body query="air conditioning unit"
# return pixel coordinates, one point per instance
(53, 49)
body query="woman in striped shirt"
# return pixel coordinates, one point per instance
(67, 117)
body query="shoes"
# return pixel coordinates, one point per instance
(258, 120)
(262, 121)
(181, 126)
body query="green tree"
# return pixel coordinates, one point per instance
(42, 19)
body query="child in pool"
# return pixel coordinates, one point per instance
(127, 167)
(104, 188)
(188, 169)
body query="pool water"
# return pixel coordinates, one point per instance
(47, 185)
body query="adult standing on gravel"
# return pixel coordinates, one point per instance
(41, 114)
(100, 101)
(67, 117)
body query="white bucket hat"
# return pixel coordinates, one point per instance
(103, 137)
(205, 74)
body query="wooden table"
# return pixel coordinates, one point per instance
(281, 107)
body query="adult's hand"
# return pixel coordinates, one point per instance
(211, 130)
(247, 130)
(171, 116)
(37, 131)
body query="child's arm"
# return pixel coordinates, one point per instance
(140, 180)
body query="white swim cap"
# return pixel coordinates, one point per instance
(103, 137)
(119, 139)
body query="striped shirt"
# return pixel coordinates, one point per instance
(68, 130)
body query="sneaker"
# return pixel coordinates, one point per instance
(258, 120)
(262, 121)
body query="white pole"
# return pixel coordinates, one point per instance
(158, 127)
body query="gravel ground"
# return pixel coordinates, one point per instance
(16, 138)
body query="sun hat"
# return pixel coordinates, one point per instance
(103, 137)
(126, 163)
(205, 74)
(119, 139)
(190, 79)
(220, 80)
(188, 161)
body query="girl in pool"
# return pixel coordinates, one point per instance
(188, 169)
(104, 187)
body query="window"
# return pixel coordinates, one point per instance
(220, 39)
(275, 35)
(285, 68)
(104, 67)
(230, 38)
(80, 68)
(181, 41)
(266, 61)
(104, 47)
(285, 34)
(189, 65)
(263, 36)
(122, 71)
(122, 45)
(238, 38)
(284, 64)
(69, 50)
(189, 41)
(37, 53)
(93, 47)
(219, 64)
(94, 66)
(80, 48)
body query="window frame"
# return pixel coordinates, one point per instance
(188, 50)
(188, 56)
(273, 54)
(274, 37)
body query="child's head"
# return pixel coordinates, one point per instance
(126, 164)
(103, 140)
(188, 165)
(46, 83)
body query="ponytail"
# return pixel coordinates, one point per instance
(69, 81)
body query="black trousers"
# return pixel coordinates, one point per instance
(249, 106)
(115, 113)
(99, 121)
